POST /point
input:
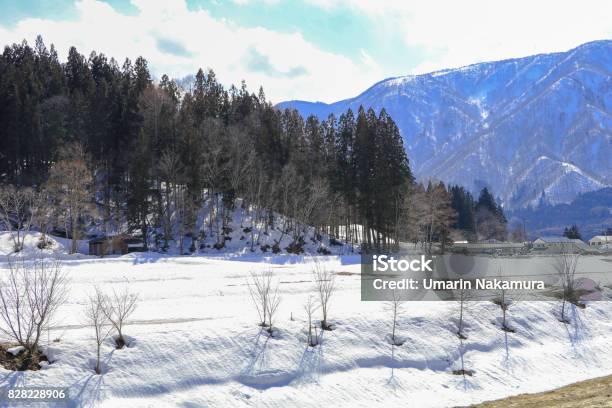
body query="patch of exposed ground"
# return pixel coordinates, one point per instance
(595, 393)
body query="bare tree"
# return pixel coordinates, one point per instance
(565, 264)
(118, 308)
(43, 216)
(325, 286)
(18, 208)
(489, 225)
(413, 219)
(97, 318)
(265, 297)
(394, 306)
(240, 163)
(439, 215)
(462, 295)
(212, 169)
(273, 303)
(30, 295)
(169, 167)
(517, 232)
(310, 307)
(305, 200)
(69, 183)
(259, 289)
(255, 193)
(504, 301)
(284, 186)
(182, 211)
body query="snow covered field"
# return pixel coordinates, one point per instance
(195, 342)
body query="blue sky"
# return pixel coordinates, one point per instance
(307, 49)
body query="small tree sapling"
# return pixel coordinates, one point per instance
(97, 318)
(325, 286)
(394, 306)
(565, 264)
(310, 307)
(118, 308)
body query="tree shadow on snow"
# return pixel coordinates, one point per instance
(257, 373)
(89, 390)
(393, 382)
(507, 348)
(311, 361)
(465, 372)
(577, 332)
(13, 379)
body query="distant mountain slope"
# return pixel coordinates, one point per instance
(591, 212)
(521, 126)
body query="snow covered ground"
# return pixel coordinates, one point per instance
(195, 342)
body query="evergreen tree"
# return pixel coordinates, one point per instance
(572, 232)
(463, 204)
(490, 219)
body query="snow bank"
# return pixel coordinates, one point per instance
(15, 350)
(194, 342)
(57, 247)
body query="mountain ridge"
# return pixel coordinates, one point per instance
(455, 122)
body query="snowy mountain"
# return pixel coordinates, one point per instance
(527, 127)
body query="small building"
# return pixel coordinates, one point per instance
(550, 242)
(115, 245)
(556, 244)
(600, 240)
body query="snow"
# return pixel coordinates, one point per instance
(194, 341)
(58, 247)
(15, 350)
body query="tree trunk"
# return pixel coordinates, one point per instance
(73, 247)
(98, 361)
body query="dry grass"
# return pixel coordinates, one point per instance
(20, 362)
(596, 393)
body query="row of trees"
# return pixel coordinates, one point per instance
(63, 201)
(106, 313)
(263, 291)
(479, 219)
(31, 293)
(155, 153)
(437, 213)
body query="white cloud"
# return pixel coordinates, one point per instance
(177, 41)
(456, 33)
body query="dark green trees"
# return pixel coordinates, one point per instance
(163, 154)
(572, 232)
(481, 219)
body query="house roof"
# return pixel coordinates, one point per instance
(602, 238)
(489, 245)
(556, 240)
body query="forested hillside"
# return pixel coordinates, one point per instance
(590, 212)
(103, 141)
